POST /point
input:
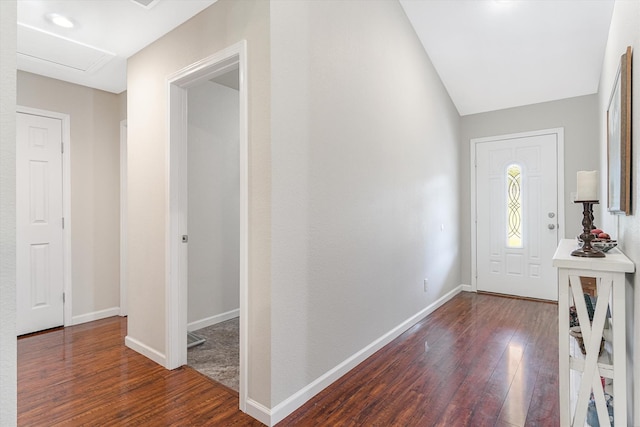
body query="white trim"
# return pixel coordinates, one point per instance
(66, 202)
(293, 402)
(466, 288)
(145, 350)
(259, 412)
(95, 315)
(176, 208)
(124, 305)
(213, 320)
(559, 132)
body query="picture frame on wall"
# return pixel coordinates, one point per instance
(619, 139)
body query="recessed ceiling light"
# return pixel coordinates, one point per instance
(60, 20)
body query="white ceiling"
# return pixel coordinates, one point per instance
(490, 54)
(495, 54)
(94, 53)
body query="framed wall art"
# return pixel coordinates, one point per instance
(619, 139)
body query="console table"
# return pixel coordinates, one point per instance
(581, 374)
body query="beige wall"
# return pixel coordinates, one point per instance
(625, 31)
(578, 117)
(122, 105)
(365, 146)
(95, 186)
(219, 26)
(8, 394)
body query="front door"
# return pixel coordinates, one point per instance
(517, 215)
(39, 268)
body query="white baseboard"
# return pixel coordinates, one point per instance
(209, 321)
(286, 407)
(466, 288)
(259, 412)
(145, 350)
(96, 315)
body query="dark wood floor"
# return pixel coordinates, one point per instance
(491, 361)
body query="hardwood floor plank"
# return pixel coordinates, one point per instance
(477, 345)
(84, 375)
(491, 361)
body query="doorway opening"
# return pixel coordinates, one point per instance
(213, 225)
(186, 85)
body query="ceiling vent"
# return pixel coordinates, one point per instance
(147, 4)
(41, 46)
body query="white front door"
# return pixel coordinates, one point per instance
(517, 215)
(39, 234)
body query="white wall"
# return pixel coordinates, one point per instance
(223, 24)
(365, 148)
(8, 363)
(578, 117)
(625, 31)
(95, 188)
(214, 201)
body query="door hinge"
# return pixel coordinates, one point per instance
(62, 222)
(63, 297)
(62, 147)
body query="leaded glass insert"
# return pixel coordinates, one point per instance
(514, 206)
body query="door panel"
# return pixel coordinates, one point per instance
(39, 235)
(516, 206)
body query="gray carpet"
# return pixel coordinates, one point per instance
(219, 357)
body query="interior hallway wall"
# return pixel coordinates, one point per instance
(578, 116)
(223, 24)
(214, 202)
(95, 187)
(365, 146)
(625, 31)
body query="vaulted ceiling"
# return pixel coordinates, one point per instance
(490, 54)
(495, 54)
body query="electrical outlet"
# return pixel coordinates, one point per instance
(426, 282)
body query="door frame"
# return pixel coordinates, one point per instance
(176, 208)
(66, 203)
(123, 219)
(559, 133)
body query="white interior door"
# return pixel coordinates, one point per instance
(517, 216)
(39, 224)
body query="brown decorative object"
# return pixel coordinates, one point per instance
(576, 333)
(619, 139)
(587, 251)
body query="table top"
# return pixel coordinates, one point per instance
(614, 261)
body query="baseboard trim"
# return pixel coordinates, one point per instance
(210, 321)
(286, 407)
(466, 288)
(145, 350)
(95, 315)
(259, 412)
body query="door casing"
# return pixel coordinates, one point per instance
(559, 132)
(66, 202)
(176, 263)
(124, 306)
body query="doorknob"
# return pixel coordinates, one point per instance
(551, 226)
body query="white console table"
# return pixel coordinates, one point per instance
(608, 277)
